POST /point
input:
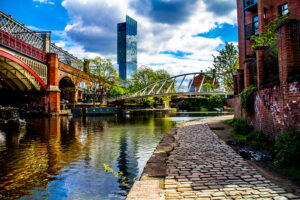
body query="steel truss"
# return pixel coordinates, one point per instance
(36, 39)
(166, 87)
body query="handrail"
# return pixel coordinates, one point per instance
(15, 43)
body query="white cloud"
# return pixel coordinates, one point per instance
(44, 1)
(93, 31)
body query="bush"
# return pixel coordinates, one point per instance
(230, 122)
(215, 101)
(247, 99)
(287, 149)
(146, 102)
(197, 101)
(257, 139)
(241, 128)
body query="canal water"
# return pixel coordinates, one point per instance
(63, 157)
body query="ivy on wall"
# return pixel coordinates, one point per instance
(268, 37)
(247, 99)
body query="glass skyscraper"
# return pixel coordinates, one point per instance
(127, 48)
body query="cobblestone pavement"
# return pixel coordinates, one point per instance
(202, 166)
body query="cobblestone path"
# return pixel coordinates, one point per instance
(202, 166)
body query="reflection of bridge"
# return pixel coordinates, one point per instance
(190, 84)
(30, 62)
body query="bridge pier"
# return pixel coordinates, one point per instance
(52, 93)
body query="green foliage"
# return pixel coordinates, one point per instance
(103, 71)
(229, 122)
(203, 109)
(164, 99)
(146, 102)
(291, 171)
(196, 101)
(268, 37)
(241, 128)
(215, 101)
(206, 103)
(115, 90)
(206, 87)
(225, 65)
(146, 76)
(257, 139)
(243, 132)
(287, 149)
(247, 99)
(123, 179)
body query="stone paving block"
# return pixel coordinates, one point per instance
(213, 168)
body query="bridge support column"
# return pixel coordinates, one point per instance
(53, 92)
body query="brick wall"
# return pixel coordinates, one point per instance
(276, 109)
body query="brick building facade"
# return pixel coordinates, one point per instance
(276, 103)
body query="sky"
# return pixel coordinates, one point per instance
(179, 36)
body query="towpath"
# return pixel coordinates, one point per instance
(201, 166)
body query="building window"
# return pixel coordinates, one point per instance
(255, 25)
(283, 9)
(265, 13)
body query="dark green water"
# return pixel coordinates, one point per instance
(62, 158)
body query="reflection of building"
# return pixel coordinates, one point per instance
(127, 48)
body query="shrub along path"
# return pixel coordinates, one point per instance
(202, 166)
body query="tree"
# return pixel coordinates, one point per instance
(146, 76)
(143, 77)
(102, 75)
(225, 65)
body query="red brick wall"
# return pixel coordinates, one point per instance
(240, 33)
(276, 109)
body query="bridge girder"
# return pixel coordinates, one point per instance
(166, 87)
(23, 79)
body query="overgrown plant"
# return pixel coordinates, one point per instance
(268, 37)
(123, 179)
(240, 127)
(247, 99)
(287, 149)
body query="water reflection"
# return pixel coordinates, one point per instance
(62, 158)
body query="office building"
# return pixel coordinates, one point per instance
(127, 48)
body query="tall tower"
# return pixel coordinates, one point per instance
(127, 48)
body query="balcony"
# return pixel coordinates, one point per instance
(251, 30)
(250, 5)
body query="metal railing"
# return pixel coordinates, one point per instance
(248, 3)
(189, 84)
(19, 45)
(21, 38)
(63, 55)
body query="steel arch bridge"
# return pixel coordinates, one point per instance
(190, 84)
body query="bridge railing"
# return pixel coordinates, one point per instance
(189, 84)
(33, 44)
(19, 45)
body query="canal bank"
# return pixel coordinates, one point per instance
(192, 162)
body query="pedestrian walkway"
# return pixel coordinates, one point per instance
(202, 166)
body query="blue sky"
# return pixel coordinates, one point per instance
(176, 35)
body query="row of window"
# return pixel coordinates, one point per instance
(282, 10)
